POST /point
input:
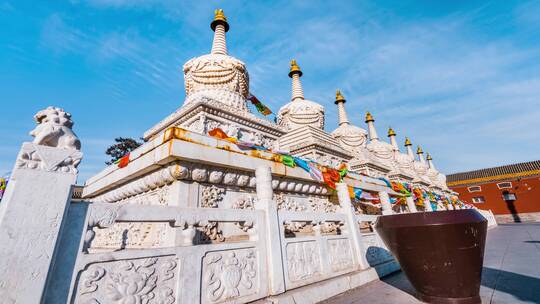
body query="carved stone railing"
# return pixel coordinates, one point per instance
(325, 251)
(228, 270)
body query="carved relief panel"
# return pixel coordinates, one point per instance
(136, 235)
(148, 280)
(230, 275)
(340, 254)
(303, 260)
(288, 202)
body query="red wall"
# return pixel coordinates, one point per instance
(527, 191)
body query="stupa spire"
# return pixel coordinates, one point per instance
(342, 114)
(430, 162)
(371, 127)
(420, 155)
(408, 146)
(295, 73)
(392, 136)
(219, 25)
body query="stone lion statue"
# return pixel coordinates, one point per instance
(54, 129)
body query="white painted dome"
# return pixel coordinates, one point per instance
(381, 151)
(350, 137)
(301, 112)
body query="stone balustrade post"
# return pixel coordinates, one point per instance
(31, 216)
(266, 202)
(353, 228)
(410, 204)
(386, 206)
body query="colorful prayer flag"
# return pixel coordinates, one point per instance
(218, 133)
(315, 173)
(264, 110)
(330, 177)
(288, 161)
(301, 163)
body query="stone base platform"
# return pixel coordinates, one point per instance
(327, 289)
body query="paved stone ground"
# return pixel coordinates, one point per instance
(511, 272)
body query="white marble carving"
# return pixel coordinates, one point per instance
(230, 275)
(322, 205)
(149, 280)
(39, 157)
(211, 196)
(54, 129)
(288, 203)
(340, 254)
(303, 260)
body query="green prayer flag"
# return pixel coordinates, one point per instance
(288, 161)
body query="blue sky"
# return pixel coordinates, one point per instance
(460, 78)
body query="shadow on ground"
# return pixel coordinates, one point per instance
(522, 287)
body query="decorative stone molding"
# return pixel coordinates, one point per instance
(101, 218)
(230, 275)
(212, 108)
(322, 205)
(245, 203)
(44, 158)
(211, 196)
(232, 129)
(330, 227)
(287, 203)
(148, 280)
(201, 173)
(292, 227)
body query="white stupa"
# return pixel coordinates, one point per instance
(300, 111)
(351, 137)
(403, 162)
(380, 151)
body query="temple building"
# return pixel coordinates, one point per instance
(511, 192)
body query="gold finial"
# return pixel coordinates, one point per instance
(419, 150)
(339, 97)
(429, 157)
(391, 132)
(407, 142)
(369, 117)
(295, 69)
(219, 18)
